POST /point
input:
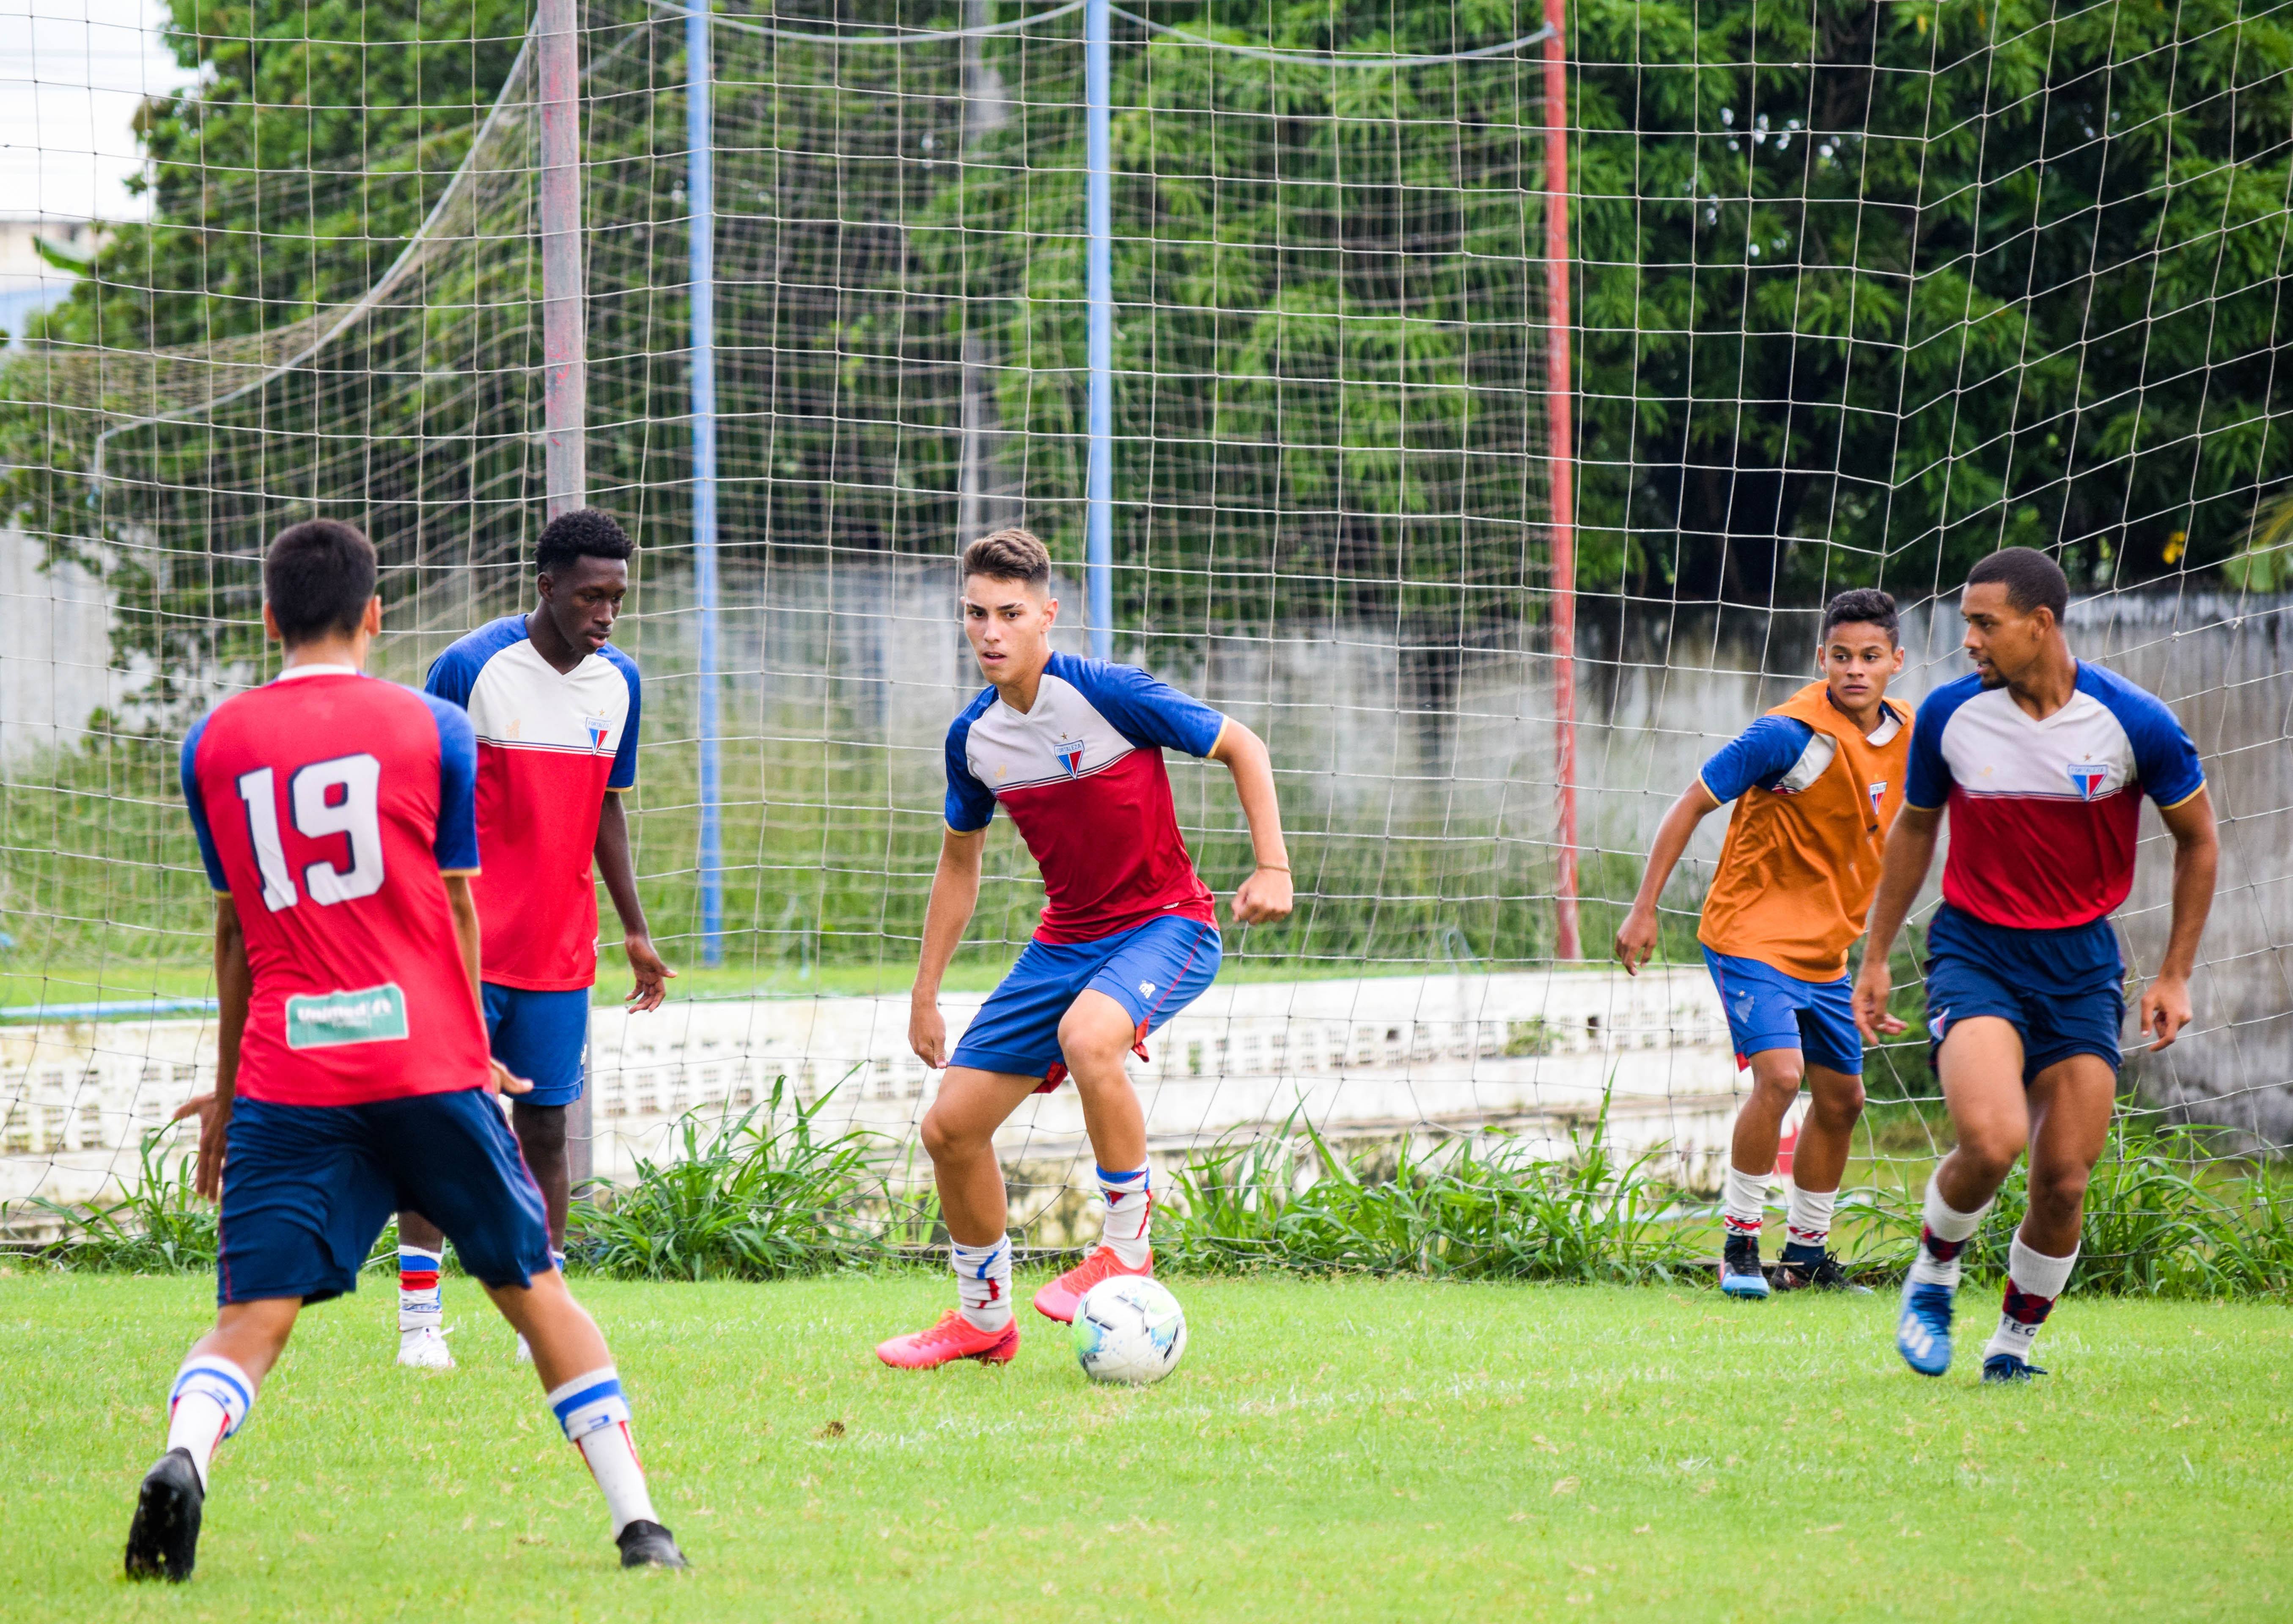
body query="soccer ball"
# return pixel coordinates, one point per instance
(1129, 1329)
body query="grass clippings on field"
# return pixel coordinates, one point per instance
(1331, 1450)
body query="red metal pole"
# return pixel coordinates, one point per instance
(1564, 484)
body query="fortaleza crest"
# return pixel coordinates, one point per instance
(1070, 755)
(598, 727)
(1878, 794)
(2087, 777)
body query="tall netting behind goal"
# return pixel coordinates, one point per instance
(1854, 294)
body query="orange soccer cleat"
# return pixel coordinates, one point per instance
(1057, 1300)
(951, 1338)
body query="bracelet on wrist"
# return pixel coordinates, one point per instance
(1275, 867)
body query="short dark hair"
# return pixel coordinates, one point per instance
(1010, 555)
(317, 578)
(586, 532)
(1863, 606)
(2033, 581)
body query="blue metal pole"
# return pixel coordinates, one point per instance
(1099, 292)
(701, 197)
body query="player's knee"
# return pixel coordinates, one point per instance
(2059, 1189)
(541, 1128)
(1089, 1045)
(944, 1139)
(1989, 1152)
(1838, 1106)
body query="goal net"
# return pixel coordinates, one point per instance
(1847, 295)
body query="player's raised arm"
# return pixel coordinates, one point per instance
(2197, 855)
(1636, 937)
(954, 893)
(1268, 894)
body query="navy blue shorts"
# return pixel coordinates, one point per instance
(2064, 991)
(306, 1189)
(540, 1036)
(1768, 1009)
(1152, 970)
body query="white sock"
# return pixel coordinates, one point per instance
(421, 1299)
(983, 1282)
(2033, 1282)
(210, 1400)
(1130, 1209)
(1744, 1203)
(1807, 1216)
(1947, 1232)
(596, 1417)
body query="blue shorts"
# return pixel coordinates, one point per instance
(1770, 1010)
(1152, 970)
(2064, 991)
(306, 1189)
(540, 1036)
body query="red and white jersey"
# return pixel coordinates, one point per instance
(2043, 814)
(551, 745)
(1082, 775)
(328, 805)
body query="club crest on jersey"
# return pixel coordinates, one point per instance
(597, 728)
(1070, 755)
(2087, 777)
(1878, 794)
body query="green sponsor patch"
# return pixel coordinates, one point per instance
(373, 1014)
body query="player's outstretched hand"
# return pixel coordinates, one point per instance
(927, 1032)
(501, 1080)
(1873, 988)
(1265, 896)
(1635, 943)
(2165, 1011)
(653, 975)
(215, 1123)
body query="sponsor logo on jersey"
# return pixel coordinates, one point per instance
(1070, 755)
(321, 1020)
(2087, 777)
(598, 728)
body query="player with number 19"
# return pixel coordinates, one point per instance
(336, 816)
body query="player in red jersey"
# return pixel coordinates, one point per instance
(336, 815)
(1072, 750)
(556, 709)
(2041, 763)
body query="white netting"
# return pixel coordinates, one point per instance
(1860, 293)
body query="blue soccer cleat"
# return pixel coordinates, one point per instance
(1922, 1335)
(2007, 1368)
(1740, 1275)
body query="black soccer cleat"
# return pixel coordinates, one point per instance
(2007, 1368)
(1813, 1269)
(649, 1544)
(1740, 1275)
(163, 1542)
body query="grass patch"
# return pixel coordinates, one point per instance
(1346, 1449)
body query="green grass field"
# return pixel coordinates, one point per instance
(1331, 1450)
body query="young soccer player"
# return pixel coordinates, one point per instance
(1816, 782)
(1073, 749)
(335, 814)
(555, 706)
(2042, 761)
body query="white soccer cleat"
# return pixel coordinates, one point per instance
(524, 1352)
(424, 1348)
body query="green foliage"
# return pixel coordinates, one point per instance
(1869, 290)
(2166, 1217)
(160, 1226)
(1469, 1214)
(751, 1199)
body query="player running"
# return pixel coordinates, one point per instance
(555, 706)
(2042, 760)
(1074, 751)
(1816, 782)
(335, 814)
